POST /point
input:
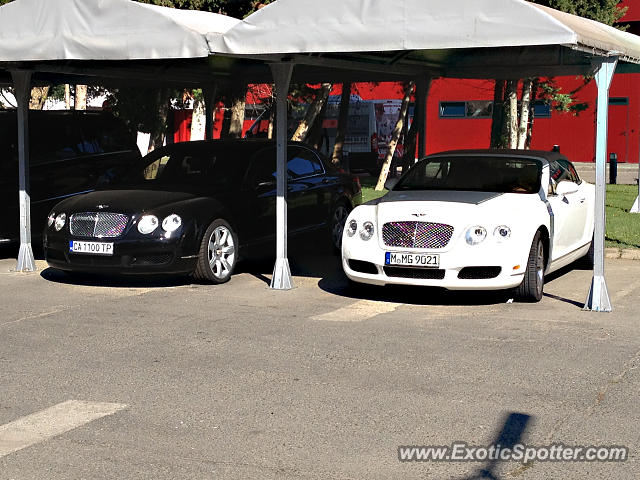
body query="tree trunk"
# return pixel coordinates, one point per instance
(343, 122)
(272, 117)
(532, 113)
(315, 136)
(410, 145)
(38, 97)
(314, 109)
(497, 116)
(198, 120)
(81, 97)
(512, 117)
(236, 119)
(525, 107)
(156, 138)
(395, 135)
(67, 96)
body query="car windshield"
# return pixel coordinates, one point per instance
(480, 173)
(180, 168)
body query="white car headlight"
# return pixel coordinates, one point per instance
(147, 224)
(171, 223)
(475, 235)
(50, 219)
(60, 221)
(366, 232)
(502, 232)
(352, 228)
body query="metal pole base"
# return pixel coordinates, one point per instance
(281, 279)
(636, 206)
(598, 298)
(26, 261)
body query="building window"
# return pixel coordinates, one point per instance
(541, 109)
(479, 109)
(453, 109)
(484, 109)
(618, 101)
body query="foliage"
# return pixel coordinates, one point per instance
(605, 11)
(233, 8)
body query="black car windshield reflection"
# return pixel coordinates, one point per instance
(474, 173)
(180, 168)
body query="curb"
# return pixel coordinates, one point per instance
(627, 253)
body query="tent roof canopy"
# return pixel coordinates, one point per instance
(33, 30)
(121, 41)
(476, 38)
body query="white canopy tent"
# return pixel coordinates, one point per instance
(344, 39)
(479, 38)
(89, 30)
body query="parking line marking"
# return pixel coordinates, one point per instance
(358, 311)
(53, 421)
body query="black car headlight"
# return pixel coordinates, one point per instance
(171, 223)
(147, 224)
(50, 219)
(60, 221)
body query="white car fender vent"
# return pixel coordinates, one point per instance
(419, 273)
(479, 273)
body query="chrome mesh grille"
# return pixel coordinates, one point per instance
(98, 224)
(416, 234)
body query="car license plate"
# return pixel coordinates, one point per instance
(95, 248)
(427, 260)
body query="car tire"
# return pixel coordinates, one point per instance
(339, 215)
(532, 286)
(218, 253)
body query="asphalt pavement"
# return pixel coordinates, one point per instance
(105, 378)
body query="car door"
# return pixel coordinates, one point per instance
(568, 210)
(581, 220)
(309, 189)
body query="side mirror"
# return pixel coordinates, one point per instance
(566, 188)
(390, 183)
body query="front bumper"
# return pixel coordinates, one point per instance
(462, 267)
(153, 255)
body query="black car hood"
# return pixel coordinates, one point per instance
(123, 201)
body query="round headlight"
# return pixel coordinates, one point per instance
(352, 227)
(60, 220)
(502, 232)
(50, 219)
(367, 231)
(147, 224)
(475, 235)
(171, 223)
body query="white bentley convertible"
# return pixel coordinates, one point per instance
(477, 219)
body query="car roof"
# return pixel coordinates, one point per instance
(544, 155)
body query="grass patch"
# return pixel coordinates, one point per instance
(623, 228)
(368, 189)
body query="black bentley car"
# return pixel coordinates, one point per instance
(197, 207)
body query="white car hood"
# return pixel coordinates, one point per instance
(457, 208)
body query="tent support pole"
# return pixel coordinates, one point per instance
(281, 279)
(22, 86)
(423, 86)
(598, 297)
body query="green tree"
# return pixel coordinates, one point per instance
(512, 120)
